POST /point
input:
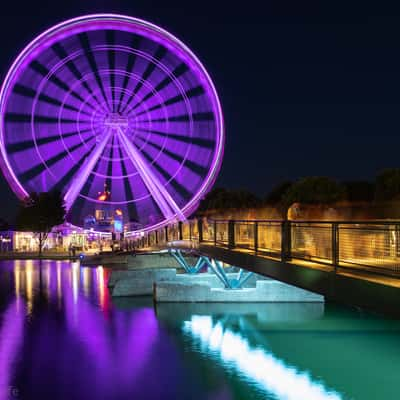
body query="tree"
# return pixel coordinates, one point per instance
(314, 190)
(214, 200)
(39, 213)
(359, 190)
(277, 194)
(388, 185)
(222, 199)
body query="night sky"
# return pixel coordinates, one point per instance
(307, 88)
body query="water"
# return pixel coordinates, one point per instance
(63, 337)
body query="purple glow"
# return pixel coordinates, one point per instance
(112, 99)
(132, 352)
(11, 334)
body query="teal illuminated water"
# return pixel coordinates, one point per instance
(63, 337)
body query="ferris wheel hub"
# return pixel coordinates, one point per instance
(116, 121)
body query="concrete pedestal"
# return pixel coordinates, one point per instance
(265, 291)
(140, 282)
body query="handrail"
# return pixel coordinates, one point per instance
(294, 221)
(369, 245)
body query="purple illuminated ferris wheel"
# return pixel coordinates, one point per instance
(112, 111)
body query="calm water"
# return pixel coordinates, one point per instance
(62, 337)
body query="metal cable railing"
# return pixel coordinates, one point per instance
(221, 232)
(269, 237)
(311, 241)
(372, 246)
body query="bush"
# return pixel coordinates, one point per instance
(314, 190)
(277, 194)
(220, 199)
(388, 185)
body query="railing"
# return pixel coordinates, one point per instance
(269, 237)
(372, 246)
(221, 232)
(311, 241)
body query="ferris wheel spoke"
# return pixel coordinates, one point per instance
(151, 66)
(201, 142)
(193, 166)
(110, 38)
(180, 189)
(27, 118)
(82, 176)
(163, 199)
(30, 144)
(37, 169)
(176, 73)
(84, 40)
(110, 165)
(62, 55)
(31, 93)
(65, 180)
(132, 210)
(196, 117)
(189, 94)
(45, 72)
(135, 44)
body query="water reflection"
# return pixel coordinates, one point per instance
(264, 368)
(294, 351)
(61, 337)
(11, 335)
(70, 342)
(223, 332)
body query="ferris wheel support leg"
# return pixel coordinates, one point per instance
(164, 200)
(82, 176)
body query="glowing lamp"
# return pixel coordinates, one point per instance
(102, 197)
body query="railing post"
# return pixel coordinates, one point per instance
(200, 229)
(156, 237)
(215, 233)
(255, 237)
(335, 245)
(283, 241)
(231, 234)
(286, 240)
(180, 231)
(166, 234)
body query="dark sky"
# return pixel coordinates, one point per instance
(307, 88)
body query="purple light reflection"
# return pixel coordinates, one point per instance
(11, 338)
(77, 344)
(135, 333)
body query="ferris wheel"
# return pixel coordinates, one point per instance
(111, 110)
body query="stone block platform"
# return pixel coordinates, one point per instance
(140, 282)
(201, 291)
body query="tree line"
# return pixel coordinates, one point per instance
(40, 212)
(309, 190)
